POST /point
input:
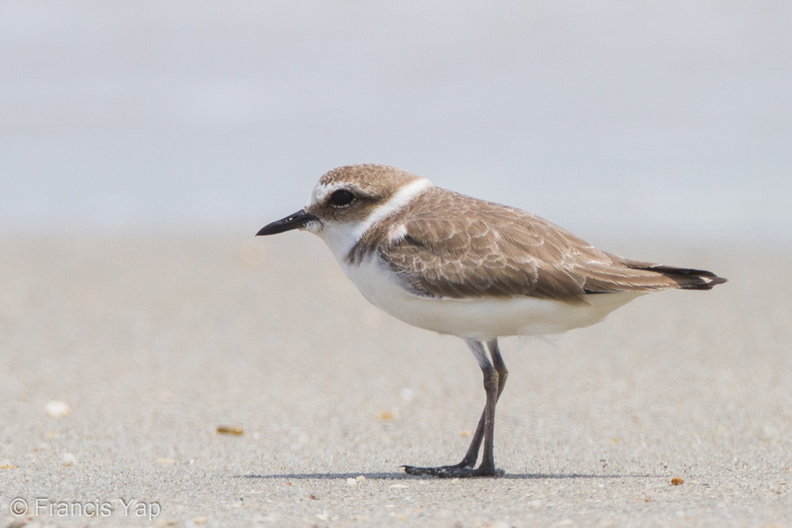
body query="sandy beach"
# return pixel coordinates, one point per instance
(152, 342)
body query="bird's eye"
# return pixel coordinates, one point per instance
(341, 198)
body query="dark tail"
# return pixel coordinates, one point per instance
(686, 278)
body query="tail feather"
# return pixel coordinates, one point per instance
(685, 278)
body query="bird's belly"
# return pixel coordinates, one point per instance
(480, 317)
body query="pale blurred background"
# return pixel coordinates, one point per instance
(652, 119)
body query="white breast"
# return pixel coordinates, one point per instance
(480, 317)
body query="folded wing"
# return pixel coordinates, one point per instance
(486, 249)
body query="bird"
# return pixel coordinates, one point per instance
(457, 265)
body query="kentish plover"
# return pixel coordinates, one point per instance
(457, 265)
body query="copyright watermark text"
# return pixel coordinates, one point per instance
(46, 507)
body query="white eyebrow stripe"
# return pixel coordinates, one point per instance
(396, 202)
(321, 191)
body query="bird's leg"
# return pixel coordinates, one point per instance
(498, 376)
(475, 445)
(495, 374)
(500, 367)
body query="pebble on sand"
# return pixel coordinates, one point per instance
(57, 409)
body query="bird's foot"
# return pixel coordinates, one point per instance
(453, 471)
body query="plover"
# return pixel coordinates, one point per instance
(458, 265)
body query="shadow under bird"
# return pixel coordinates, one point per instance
(457, 265)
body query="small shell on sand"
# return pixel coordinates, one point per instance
(230, 430)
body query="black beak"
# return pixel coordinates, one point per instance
(294, 221)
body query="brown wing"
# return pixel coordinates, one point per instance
(486, 249)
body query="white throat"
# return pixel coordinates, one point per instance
(341, 237)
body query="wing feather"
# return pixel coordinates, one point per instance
(477, 248)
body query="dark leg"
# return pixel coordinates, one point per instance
(497, 361)
(487, 466)
(495, 374)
